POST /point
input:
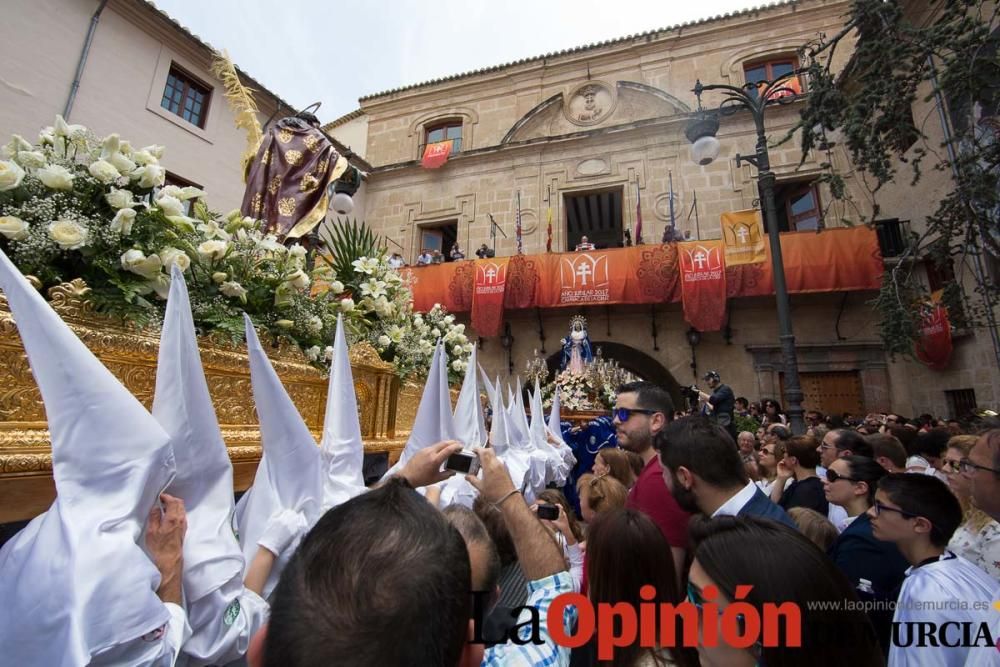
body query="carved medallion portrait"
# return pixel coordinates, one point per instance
(590, 104)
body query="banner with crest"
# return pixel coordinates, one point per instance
(703, 284)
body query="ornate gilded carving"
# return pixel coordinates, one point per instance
(131, 355)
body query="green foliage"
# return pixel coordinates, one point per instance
(907, 52)
(347, 241)
(747, 423)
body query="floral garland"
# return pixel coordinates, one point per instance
(75, 206)
(577, 394)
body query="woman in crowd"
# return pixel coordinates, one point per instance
(615, 462)
(875, 568)
(978, 538)
(599, 493)
(802, 575)
(771, 452)
(772, 413)
(624, 553)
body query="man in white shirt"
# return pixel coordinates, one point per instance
(584, 244)
(943, 594)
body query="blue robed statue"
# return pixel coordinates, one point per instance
(576, 347)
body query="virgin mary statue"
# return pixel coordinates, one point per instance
(576, 347)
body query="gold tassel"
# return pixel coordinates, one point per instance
(240, 99)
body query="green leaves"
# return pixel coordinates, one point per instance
(348, 241)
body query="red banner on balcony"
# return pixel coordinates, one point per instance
(487, 296)
(703, 284)
(934, 347)
(436, 154)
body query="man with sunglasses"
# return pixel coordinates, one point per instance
(942, 592)
(642, 409)
(982, 467)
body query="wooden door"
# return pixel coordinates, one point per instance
(832, 393)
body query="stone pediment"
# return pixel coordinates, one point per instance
(593, 105)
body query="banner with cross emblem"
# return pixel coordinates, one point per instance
(743, 234)
(703, 284)
(487, 296)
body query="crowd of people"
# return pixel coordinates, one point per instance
(848, 544)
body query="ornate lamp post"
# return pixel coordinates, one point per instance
(755, 98)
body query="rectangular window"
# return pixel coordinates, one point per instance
(186, 96)
(596, 215)
(769, 70)
(961, 402)
(451, 129)
(798, 206)
(438, 236)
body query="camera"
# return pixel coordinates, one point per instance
(691, 393)
(463, 462)
(547, 512)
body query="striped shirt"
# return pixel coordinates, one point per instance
(541, 593)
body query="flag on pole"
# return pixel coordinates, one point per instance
(548, 228)
(520, 244)
(638, 215)
(670, 174)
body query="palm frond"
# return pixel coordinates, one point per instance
(346, 242)
(241, 101)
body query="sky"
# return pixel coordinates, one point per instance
(334, 52)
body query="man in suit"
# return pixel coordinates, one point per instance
(704, 472)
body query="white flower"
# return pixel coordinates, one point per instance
(47, 136)
(169, 191)
(170, 256)
(314, 324)
(337, 287)
(284, 324)
(170, 205)
(144, 157)
(458, 365)
(312, 353)
(213, 249)
(366, 265)
(154, 149)
(458, 350)
(299, 279)
(119, 198)
(68, 234)
(150, 176)
(211, 230)
(384, 341)
(15, 146)
(160, 284)
(103, 171)
(460, 328)
(121, 163)
(125, 148)
(191, 192)
(123, 220)
(347, 305)
(436, 332)
(270, 244)
(62, 129)
(328, 353)
(30, 159)
(110, 145)
(297, 251)
(396, 333)
(233, 289)
(382, 307)
(182, 222)
(56, 177)
(448, 319)
(13, 228)
(219, 277)
(135, 261)
(373, 288)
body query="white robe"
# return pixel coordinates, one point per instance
(950, 581)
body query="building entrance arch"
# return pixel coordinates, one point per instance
(634, 361)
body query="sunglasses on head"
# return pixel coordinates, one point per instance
(832, 476)
(623, 414)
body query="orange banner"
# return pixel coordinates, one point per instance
(703, 284)
(934, 347)
(743, 234)
(436, 154)
(832, 260)
(488, 296)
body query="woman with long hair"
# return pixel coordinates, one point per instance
(772, 413)
(566, 529)
(875, 568)
(615, 462)
(625, 552)
(978, 538)
(599, 493)
(724, 564)
(772, 451)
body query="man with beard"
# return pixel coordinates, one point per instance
(704, 472)
(642, 409)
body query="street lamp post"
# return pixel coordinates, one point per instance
(755, 98)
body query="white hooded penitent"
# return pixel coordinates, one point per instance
(342, 450)
(290, 473)
(76, 579)
(470, 430)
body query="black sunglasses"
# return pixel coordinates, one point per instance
(832, 476)
(623, 414)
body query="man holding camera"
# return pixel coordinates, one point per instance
(720, 404)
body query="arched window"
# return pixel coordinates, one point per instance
(769, 69)
(443, 130)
